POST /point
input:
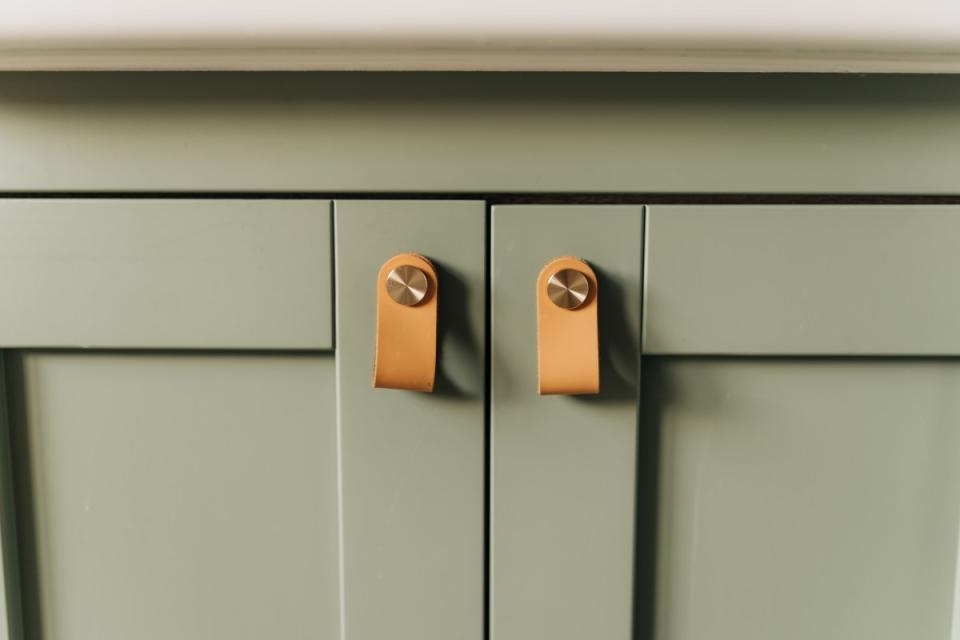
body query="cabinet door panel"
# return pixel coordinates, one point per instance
(806, 498)
(563, 467)
(808, 280)
(412, 464)
(176, 496)
(166, 273)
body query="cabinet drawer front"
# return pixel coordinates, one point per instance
(114, 273)
(807, 280)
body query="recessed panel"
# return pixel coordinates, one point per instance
(805, 499)
(176, 496)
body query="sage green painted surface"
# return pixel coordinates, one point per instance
(563, 467)
(479, 132)
(11, 623)
(412, 464)
(783, 279)
(166, 273)
(806, 498)
(176, 496)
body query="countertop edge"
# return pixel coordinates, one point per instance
(465, 59)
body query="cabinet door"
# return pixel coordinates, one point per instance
(563, 468)
(412, 464)
(170, 418)
(802, 387)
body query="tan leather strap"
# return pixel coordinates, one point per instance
(567, 344)
(406, 347)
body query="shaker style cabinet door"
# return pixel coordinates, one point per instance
(802, 389)
(412, 463)
(563, 467)
(168, 462)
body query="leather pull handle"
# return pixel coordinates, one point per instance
(568, 349)
(406, 343)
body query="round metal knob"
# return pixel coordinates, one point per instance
(568, 288)
(407, 285)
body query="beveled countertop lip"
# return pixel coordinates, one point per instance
(465, 59)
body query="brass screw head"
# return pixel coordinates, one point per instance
(407, 285)
(568, 288)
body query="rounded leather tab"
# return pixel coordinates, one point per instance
(406, 342)
(568, 351)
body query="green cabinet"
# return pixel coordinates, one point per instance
(192, 446)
